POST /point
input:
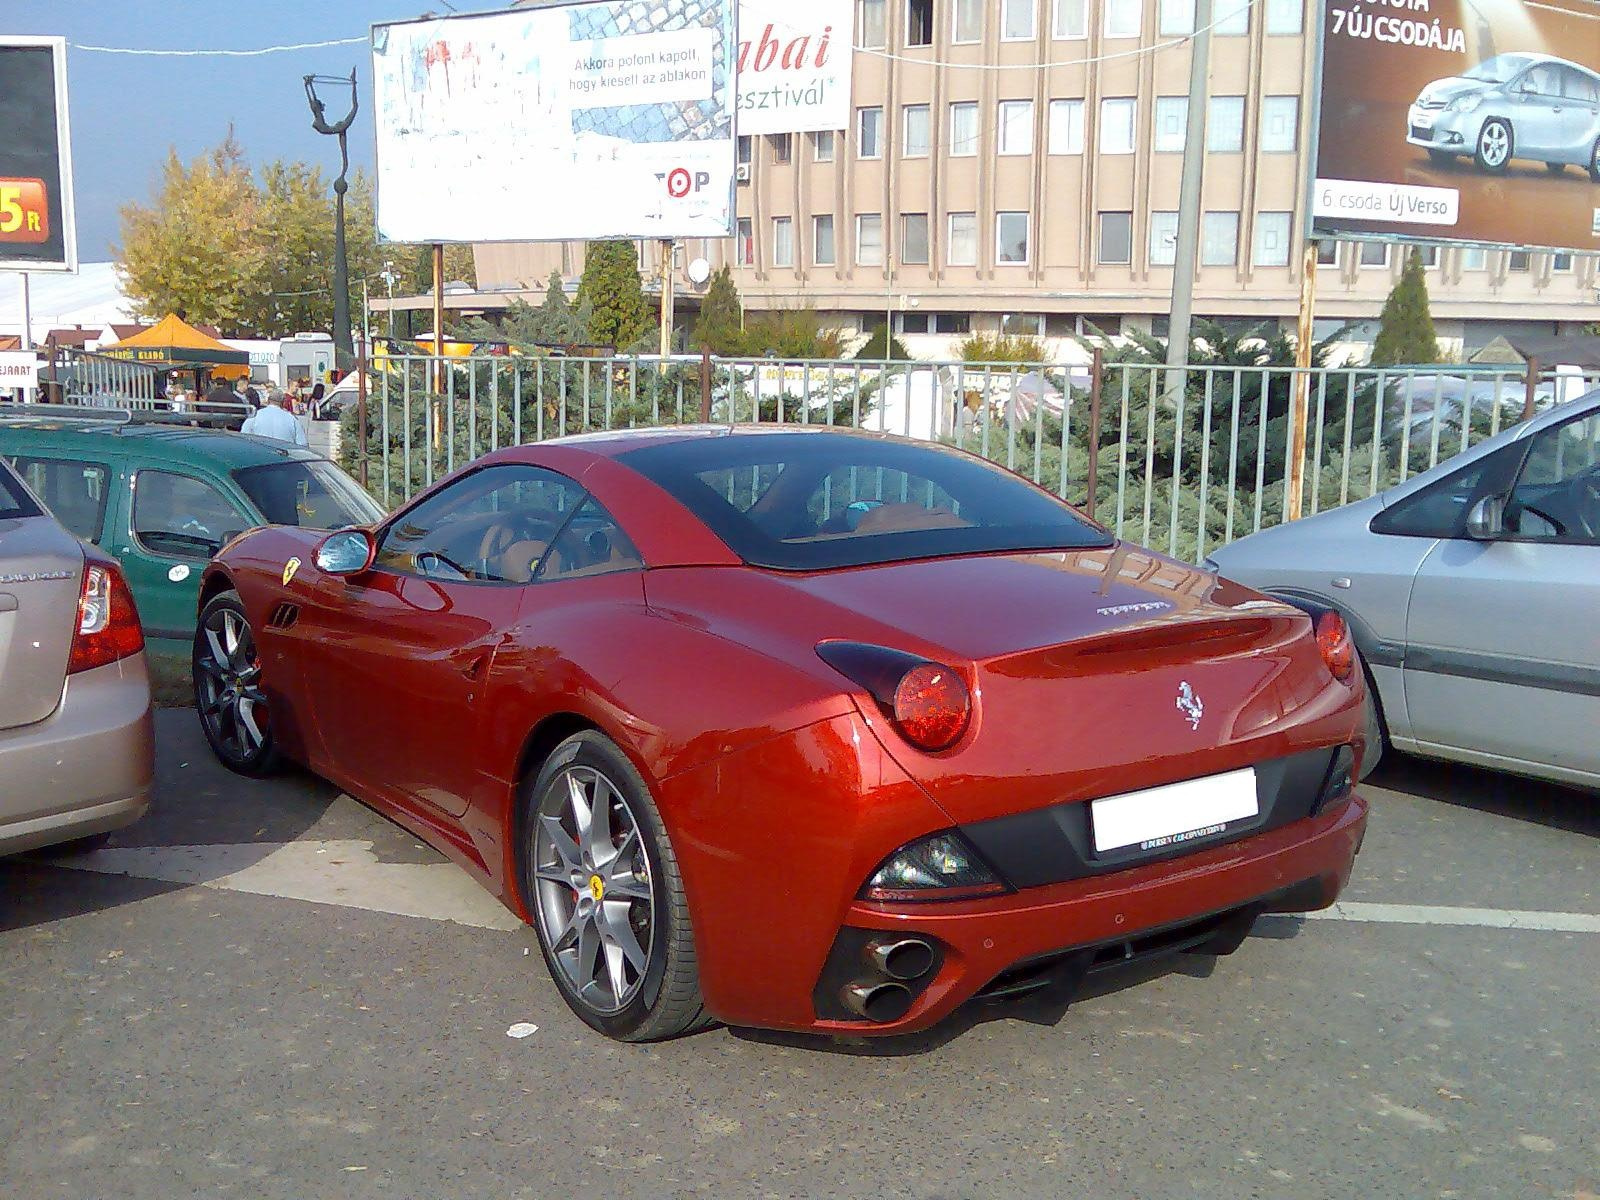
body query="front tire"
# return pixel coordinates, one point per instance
(226, 667)
(602, 883)
(1376, 739)
(1496, 145)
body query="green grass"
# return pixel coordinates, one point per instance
(169, 675)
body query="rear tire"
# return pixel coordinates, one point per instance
(1594, 161)
(233, 709)
(1555, 168)
(591, 945)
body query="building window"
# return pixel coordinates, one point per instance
(963, 249)
(1231, 18)
(869, 133)
(871, 23)
(1327, 253)
(1011, 237)
(822, 145)
(1022, 324)
(967, 25)
(1374, 254)
(1225, 124)
(1280, 124)
(822, 251)
(1284, 16)
(1116, 126)
(1116, 237)
(1430, 256)
(1016, 20)
(782, 146)
(745, 150)
(908, 322)
(919, 22)
(1519, 260)
(1560, 264)
(782, 242)
(1066, 127)
(952, 322)
(1177, 17)
(1219, 239)
(963, 130)
(869, 240)
(1072, 19)
(1271, 240)
(1474, 258)
(744, 245)
(915, 123)
(1163, 239)
(913, 237)
(1016, 127)
(1172, 119)
(1122, 18)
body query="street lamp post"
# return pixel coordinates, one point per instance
(343, 344)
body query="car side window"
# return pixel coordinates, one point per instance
(1557, 493)
(1544, 80)
(74, 491)
(182, 516)
(1579, 85)
(592, 543)
(1440, 510)
(495, 525)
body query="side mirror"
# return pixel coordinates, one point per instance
(1487, 519)
(347, 552)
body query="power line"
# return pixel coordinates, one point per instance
(351, 41)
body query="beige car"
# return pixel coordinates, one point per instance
(77, 751)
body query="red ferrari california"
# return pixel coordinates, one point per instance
(808, 730)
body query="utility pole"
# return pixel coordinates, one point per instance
(27, 314)
(1194, 151)
(668, 300)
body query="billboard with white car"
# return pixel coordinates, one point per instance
(1457, 120)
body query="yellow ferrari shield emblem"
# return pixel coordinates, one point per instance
(597, 887)
(289, 568)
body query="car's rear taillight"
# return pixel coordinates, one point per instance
(1338, 651)
(928, 703)
(108, 623)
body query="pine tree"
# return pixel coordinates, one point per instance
(720, 328)
(1405, 330)
(619, 313)
(882, 345)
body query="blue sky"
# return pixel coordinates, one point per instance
(127, 111)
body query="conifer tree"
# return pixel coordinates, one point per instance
(1405, 330)
(618, 312)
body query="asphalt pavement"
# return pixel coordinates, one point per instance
(266, 990)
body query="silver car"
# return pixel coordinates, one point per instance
(1473, 593)
(1528, 106)
(76, 744)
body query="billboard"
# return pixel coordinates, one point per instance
(794, 65)
(1460, 120)
(607, 119)
(36, 223)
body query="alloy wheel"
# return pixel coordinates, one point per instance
(1494, 144)
(228, 683)
(596, 904)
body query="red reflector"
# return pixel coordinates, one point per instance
(1333, 639)
(932, 706)
(108, 623)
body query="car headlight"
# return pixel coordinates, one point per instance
(1466, 103)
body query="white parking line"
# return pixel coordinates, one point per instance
(348, 873)
(1484, 918)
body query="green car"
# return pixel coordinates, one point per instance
(164, 498)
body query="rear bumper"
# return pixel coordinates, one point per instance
(85, 769)
(1203, 901)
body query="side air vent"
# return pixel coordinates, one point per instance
(284, 616)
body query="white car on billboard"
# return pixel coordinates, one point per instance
(1528, 106)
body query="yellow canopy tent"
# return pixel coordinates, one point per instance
(172, 344)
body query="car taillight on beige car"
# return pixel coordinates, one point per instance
(108, 627)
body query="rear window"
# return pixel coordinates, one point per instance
(813, 501)
(14, 502)
(312, 493)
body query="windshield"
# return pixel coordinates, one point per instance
(14, 501)
(813, 501)
(1499, 69)
(312, 492)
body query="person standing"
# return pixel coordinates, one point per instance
(274, 421)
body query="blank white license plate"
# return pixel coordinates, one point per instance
(1421, 120)
(1175, 812)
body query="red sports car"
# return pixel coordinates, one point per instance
(807, 730)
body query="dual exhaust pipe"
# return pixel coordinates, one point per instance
(902, 961)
